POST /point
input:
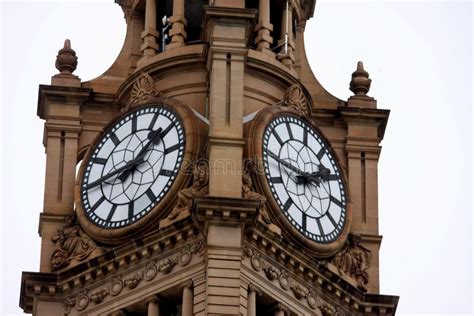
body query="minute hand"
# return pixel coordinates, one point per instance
(288, 165)
(152, 137)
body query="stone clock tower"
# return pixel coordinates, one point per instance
(207, 172)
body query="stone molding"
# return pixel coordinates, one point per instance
(309, 279)
(153, 254)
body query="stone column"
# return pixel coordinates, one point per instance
(252, 300)
(279, 309)
(118, 313)
(187, 307)
(153, 307)
(264, 27)
(286, 55)
(150, 34)
(178, 25)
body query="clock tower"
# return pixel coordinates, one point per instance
(208, 172)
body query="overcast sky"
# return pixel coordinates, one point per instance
(419, 56)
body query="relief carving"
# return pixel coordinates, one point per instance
(98, 296)
(167, 264)
(298, 290)
(199, 187)
(132, 281)
(72, 245)
(143, 90)
(354, 260)
(295, 99)
(249, 192)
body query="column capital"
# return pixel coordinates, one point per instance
(152, 299)
(188, 284)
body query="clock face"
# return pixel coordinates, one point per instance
(304, 178)
(132, 167)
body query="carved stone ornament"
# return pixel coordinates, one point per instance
(143, 90)
(167, 264)
(150, 271)
(325, 308)
(249, 192)
(187, 252)
(132, 281)
(298, 290)
(72, 245)
(199, 187)
(354, 260)
(360, 82)
(82, 301)
(69, 303)
(295, 99)
(284, 280)
(66, 60)
(271, 272)
(116, 286)
(98, 296)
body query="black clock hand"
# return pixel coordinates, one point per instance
(306, 176)
(109, 175)
(153, 137)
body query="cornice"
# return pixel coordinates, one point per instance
(155, 252)
(307, 277)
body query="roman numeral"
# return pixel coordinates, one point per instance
(151, 195)
(276, 179)
(100, 161)
(163, 133)
(321, 153)
(305, 136)
(165, 172)
(333, 177)
(114, 139)
(288, 127)
(171, 149)
(303, 223)
(287, 204)
(318, 221)
(134, 124)
(111, 213)
(130, 209)
(278, 138)
(336, 201)
(153, 120)
(98, 203)
(331, 219)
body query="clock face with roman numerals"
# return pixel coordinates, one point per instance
(304, 178)
(132, 166)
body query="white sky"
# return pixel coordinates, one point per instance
(419, 56)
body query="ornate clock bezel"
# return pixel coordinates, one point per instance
(193, 139)
(255, 130)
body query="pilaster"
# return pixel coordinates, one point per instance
(228, 32)
(223, 221)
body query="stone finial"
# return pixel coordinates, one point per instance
(360, 83)
(66, 61)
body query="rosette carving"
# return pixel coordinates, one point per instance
(132, 281)
(98, 296)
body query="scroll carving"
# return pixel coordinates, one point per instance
(143, 90)
(354, 260)
(199, 187)
(72, 245)
(295, 99)
(249, 192)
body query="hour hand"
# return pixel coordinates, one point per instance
(153, 138)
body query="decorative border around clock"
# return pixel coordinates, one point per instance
(254, 133)
(194, 138)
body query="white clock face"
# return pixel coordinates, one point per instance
(304, 178)
(132, 167)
